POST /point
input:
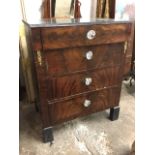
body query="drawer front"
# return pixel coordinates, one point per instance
(60, 87)
(71, 60)
(73, 36)
(84, 104)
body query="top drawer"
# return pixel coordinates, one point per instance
(73, 36)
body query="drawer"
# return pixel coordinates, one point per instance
(71, 60)
(83, 104)
(63, 86)
(84, 35)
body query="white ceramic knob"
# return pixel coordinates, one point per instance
(87, 103)
(88, 81)
(89, 55)
(91, 34)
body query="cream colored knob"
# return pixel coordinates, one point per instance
(87, 103)
(88, 81)
(89, 55)
(91, 34)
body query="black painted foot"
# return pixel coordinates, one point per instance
(114, 113)
(48, 135)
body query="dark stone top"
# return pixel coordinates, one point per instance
(72, 21)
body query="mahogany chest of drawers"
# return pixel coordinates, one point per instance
(77, 67)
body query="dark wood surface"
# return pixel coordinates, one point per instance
(72, 108)
(127, 65)
(63, 37)
(36, 39)
(73, 60)
(62, 67)
(63, 86)
(48, 9)
(112, 8)
(38, 73)
(130, 52)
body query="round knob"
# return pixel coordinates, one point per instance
(88, 81)
(87, 103)
(91, 34)
(89, 55)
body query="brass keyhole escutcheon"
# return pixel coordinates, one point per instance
(39, 57)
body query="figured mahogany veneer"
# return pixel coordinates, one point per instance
(72, 84)
(65, 61)
(69, 36)
(79, 67)
(74, 106)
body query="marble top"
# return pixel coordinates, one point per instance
(72, 21)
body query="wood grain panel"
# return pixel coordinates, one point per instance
(73, 36)
(127, 65)
(70, 109)
(60, 87)
(70, 60)
(36, 39)
(130, 52)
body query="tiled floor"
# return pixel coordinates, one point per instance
(91, 135)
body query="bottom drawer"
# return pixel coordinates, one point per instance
(83, 104)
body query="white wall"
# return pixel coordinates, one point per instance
(88, 8)
(32, 9)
